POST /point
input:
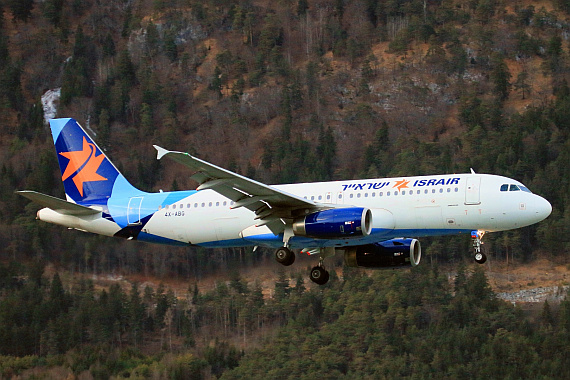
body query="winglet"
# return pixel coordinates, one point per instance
(161, 152)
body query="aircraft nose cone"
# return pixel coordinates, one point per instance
(543, 208)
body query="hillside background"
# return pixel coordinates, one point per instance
(280, 91)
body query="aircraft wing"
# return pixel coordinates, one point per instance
(56, 204)
(271, 205)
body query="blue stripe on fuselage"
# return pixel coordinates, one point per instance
(377, 235)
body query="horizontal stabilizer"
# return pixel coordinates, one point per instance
(56, 204)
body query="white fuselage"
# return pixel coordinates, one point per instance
(407, 206)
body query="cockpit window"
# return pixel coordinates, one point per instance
(512, 187)
(525, 189)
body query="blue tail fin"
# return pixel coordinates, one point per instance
(88, 175)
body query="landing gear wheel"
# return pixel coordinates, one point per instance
(284, 256)
(477, 237)
(480, 257)
(319, 275)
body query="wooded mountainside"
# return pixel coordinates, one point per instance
(280, 91)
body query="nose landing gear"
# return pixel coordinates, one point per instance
(477, 237)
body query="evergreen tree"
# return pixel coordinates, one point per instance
(11, 85)
(136, 315)
(21, 9)
(152, 40)
(302, 6)
(501, 77)
(126, 69)
(282, 288)
(104, 135)
(76, 79)
(109, 46)
(554, 53)
(170, 47)
(546, 316)
(4, 53)
(312, 80)
(52, 10)
(376, 154)
(326, 153)
(522, 84)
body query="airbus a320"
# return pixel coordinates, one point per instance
(374, 223)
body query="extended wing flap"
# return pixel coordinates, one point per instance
(56, 204)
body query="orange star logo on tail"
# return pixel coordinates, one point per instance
(403, 184)
(84, 163)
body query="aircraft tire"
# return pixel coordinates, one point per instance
(319, 275)
(480, 258)
(284, 256)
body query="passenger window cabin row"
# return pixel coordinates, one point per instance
(373, 194)
(196, 205)
(382, 194)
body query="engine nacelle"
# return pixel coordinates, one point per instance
(393, 253)
(335, 223)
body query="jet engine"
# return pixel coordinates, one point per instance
(335, 223)
(395, 253)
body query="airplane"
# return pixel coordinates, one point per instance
(374, 223)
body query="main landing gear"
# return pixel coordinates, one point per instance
(284, 256)
(319, 275)
(477, 237)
